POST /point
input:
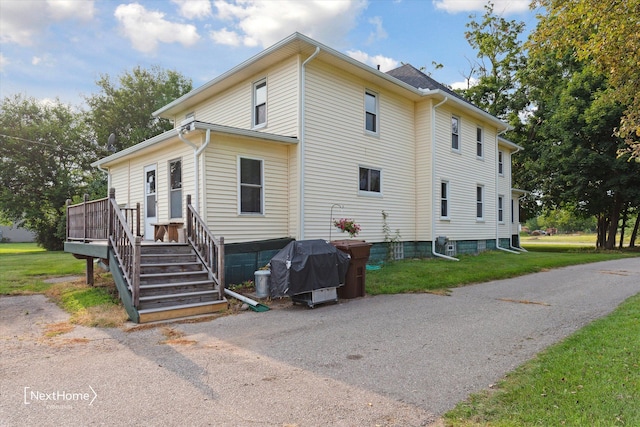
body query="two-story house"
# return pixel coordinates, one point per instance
(300, 134)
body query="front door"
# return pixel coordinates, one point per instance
(150, 201)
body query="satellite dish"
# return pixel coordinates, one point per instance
(111, 143)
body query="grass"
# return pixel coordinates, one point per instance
(24, 268)
(429, 275)
(591, 378)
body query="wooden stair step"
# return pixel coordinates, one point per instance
(177, 284)
(183, 310)
(176, 296)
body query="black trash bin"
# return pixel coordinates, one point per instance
(358, 250)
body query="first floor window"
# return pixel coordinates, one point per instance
(444, 199)
(175, 189)
(251, 189)
(370, 180)
(479, 202)
(512, 210)
(500, 208)
(455, 133)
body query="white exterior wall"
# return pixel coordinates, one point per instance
(424, 207)
(234, 106)
(336, 145)
(127, 177)
(222, 190)
(465, 171)
(504, 189)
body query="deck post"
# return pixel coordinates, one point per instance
(67, 204)
(189, 229)
(138, 219)
(136, 272)
(221, 269)
(89, 274)
(85, 199)
(112, 195)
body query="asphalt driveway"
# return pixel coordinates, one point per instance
(385, 360)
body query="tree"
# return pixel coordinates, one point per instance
(45, 150)
(604, 33)
(500, 55)
(125, 107)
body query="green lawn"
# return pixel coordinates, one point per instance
(437, 274)
(590, 379)
(24, 266)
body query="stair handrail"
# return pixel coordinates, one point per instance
(210, 249)
(126, 248)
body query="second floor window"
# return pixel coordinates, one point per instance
(479, 143)
(371, 111)
(455, 133)
(370, 180)
(260, 103)
(500, 163)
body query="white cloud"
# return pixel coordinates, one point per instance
(146, 28)
(379, 33)
(44, 60)
(385, 63)
(264, 22)
(3, 62)
(226, 37)
(464, 85)
(82, 10)
(500, 6)
(194, 9)
(22, 21)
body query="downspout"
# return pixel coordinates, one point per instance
(302, 141)
(497, 196)
(196, 153)
(433, 183)
(517, 248)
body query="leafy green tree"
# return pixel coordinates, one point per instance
(500, 56)
(45, 149)
(124, 107)
(605, 34)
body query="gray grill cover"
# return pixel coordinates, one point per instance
(306, 265)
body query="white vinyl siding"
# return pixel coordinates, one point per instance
(336, 146)
(234, 106)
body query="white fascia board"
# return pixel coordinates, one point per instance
(216, 129)
(512, 145)
(503, 126)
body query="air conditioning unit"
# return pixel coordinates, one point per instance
(450, 249)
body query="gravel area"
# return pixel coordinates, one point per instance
(397, 360)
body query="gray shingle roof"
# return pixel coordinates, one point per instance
(416, 78)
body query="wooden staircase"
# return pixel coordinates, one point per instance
(174, 283)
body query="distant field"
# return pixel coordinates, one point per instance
(566, 239)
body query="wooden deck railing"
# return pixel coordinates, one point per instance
(209, 248)
(89, 220)
(126, 248)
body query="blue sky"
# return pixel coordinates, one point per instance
(59, 48)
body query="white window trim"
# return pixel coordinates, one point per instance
(447, 198)
(501, 156)
(501, 208)
(482, 201)
(262, 187)
(254, 86)
(370, 193)
(377, 112)
(481, 141)
(455, 150)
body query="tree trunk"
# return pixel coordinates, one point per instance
(624, 225)
(634, 234)
(613, 223)
(601, 231)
